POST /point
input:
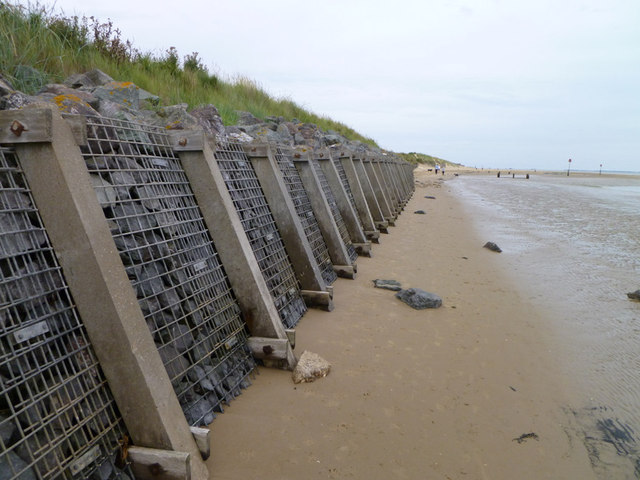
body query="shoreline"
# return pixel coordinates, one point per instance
(439, 393)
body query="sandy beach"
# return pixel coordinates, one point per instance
(430, 394)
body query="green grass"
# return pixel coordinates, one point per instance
(38, 46)
(421, 158)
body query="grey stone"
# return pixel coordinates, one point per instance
(133, 217)
(209, 119)
(58, 89)
(123, 93)
(107, 195)
(92, 78)
(15, 100)
(10, 464)
(7, 429)
(103, 472)
(419, 299)
(420, 212)
(174, 362)
(634, 295)
(148, 98)
(387, 284)
(47, 462)
(200, 413)
(493, 247)
(180, 337)
(18, 235)
(247, 118)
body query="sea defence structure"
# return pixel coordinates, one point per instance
(145, 273)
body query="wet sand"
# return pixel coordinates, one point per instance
(439, 394)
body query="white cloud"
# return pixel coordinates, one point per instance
(522, 82)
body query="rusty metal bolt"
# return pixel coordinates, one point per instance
(182, 142)
(17, 128)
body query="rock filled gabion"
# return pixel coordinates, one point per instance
(56, 409)
(337, 163)
(302, 204)
(258, 223)
(167, 252)
(335, 211)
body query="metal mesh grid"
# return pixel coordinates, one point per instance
(259, 225)
(305, 213)
(331, 199)
(57, 416)
(343, 178)
(172, 263)
(389, 179)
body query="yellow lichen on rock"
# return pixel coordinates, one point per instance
(66, 101)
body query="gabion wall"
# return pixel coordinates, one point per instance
(259, 225)
(172, 263)
(331, 199)
(57, 416)
(302, 204)
(343, 179)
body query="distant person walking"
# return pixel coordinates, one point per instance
(437, 168)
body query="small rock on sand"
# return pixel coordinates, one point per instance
(493, 247)
(310, 367)
(634, 295)
(420, 212)
(387, 284)
(419, 299)
(431, 197)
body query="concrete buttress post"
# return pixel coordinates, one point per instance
(230, 239)
(368, 224)
(322, 211)
(107, 303)
(348, 212)
(314, 288)
(386, 180)
(379, 192)
(370, 196)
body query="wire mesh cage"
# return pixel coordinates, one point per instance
(388, 178)
(259, 225)
(343, 179)
(58, 419)
(335, 211)
(302, 204)
(166, 249)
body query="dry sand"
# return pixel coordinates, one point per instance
(439, 394)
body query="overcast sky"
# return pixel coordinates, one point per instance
(494, 83)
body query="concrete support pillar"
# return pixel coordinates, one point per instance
(349, 214)
(322, 211)
(388, 183)
(314, 288)
(390, 173)
(399, 170)
(370, 196)
(107, 303)
(368, 224)
(228, 235)
(379, 192)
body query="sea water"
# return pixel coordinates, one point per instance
(572, 244)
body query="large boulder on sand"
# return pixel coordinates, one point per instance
(310, 367)
(419, 299)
